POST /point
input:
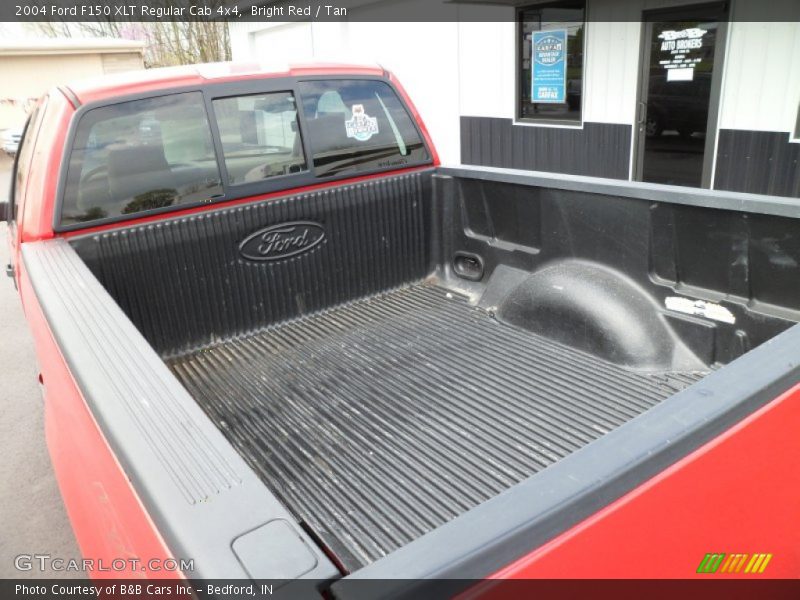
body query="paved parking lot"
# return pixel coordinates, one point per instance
(32, 516)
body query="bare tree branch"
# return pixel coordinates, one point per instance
(167, 43)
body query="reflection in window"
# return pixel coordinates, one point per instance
(797, 125)
(259, 136)
(140, 155)
(23, 160)
(568, 16)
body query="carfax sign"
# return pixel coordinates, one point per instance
(549, 59)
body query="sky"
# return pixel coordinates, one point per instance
(12, 31)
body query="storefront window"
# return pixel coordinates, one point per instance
(550, 76)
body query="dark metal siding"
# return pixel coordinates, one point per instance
(598, 149)
(760, 162)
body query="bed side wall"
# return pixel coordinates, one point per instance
(621, 276)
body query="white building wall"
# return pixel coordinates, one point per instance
(761, 89)
(467, 68)
(424, 56)
(611, 67)
(486, 69)
(290, 39)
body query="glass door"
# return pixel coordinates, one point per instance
(678, 95)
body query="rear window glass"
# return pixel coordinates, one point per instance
(141, 155)
(259, 136)
(358, 125)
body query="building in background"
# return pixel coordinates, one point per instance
(667, 91)
(28, 68)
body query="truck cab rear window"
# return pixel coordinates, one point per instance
(140, 155)
(358, 125)
(259, 136)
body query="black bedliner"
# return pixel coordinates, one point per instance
(391, 416)
(377, 421)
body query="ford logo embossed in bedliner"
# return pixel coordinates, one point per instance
(281, 241)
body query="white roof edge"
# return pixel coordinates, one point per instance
(70, 46)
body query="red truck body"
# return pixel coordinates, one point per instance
(734, 494)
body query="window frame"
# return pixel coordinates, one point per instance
(217, 137)
(534, 121)
(213, 91)
(795, 137)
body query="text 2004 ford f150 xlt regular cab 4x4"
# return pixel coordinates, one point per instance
(278, 338)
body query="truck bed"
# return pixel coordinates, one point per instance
(448, 339)
(381, 419)
(367, 366)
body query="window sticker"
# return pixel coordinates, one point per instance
(549, 78)
(361, 126)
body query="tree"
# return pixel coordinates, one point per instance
(167, 43)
